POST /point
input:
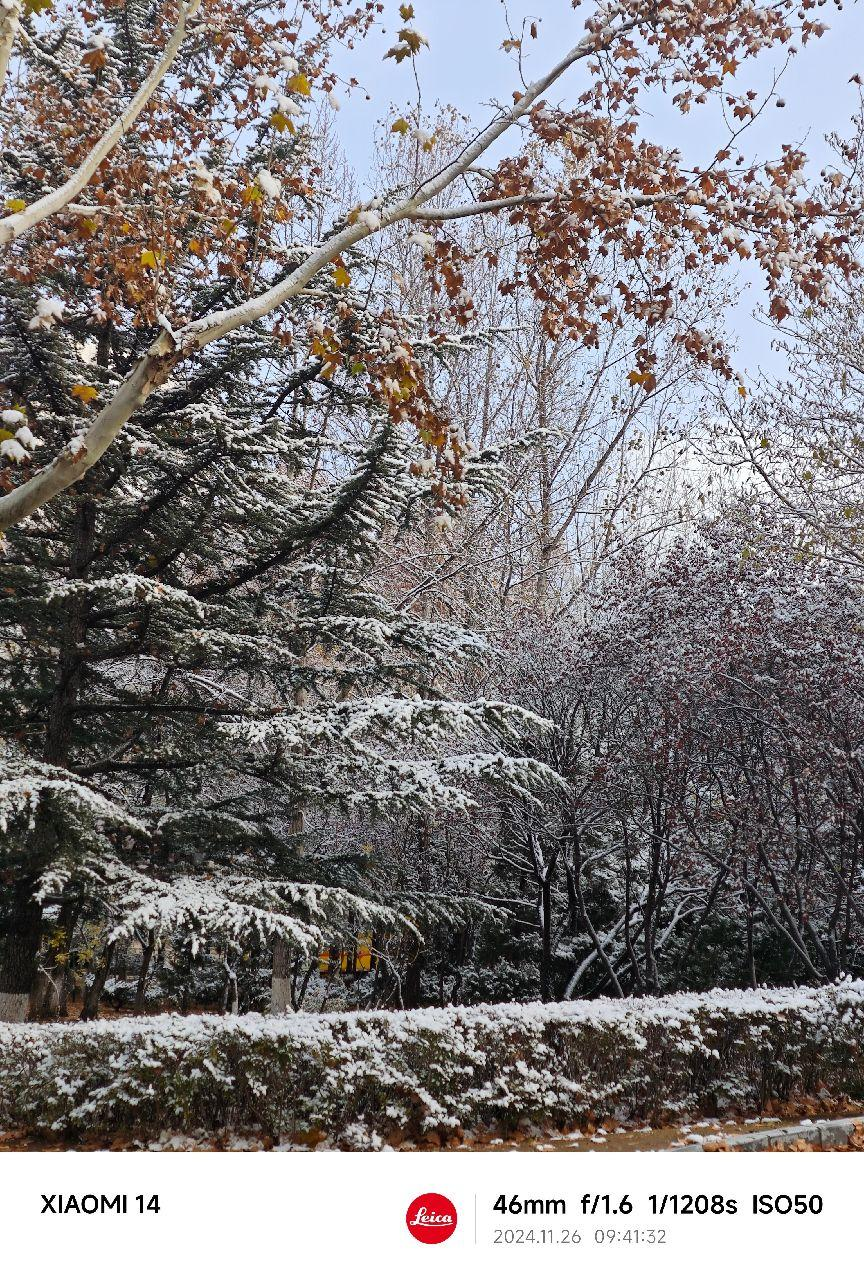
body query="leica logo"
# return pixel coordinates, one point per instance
(423, 1219)
(431, 1219)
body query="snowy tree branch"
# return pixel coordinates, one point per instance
(15, 225)
(429, 215)
(88, 447)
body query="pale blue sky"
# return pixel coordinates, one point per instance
(465, 66)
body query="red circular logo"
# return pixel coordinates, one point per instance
(431, 1218)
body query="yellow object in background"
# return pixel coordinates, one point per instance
(363, 957)
(356, 960)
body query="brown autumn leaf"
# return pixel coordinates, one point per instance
(95, 59)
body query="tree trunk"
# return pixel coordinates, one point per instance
(94, 991)
(592, 932)
(281, 980)
(21, 937)
(280, 987)
(412, 991)
(544, 872)
(49, 992)
(71, 666)
(230, 991)
(146, 957)
(546, 940)
(298, 986)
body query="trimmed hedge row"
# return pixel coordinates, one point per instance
(359, 1077)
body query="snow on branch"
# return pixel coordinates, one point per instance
(27, 784)
(15, 225)
(170, 348)
(388, 716)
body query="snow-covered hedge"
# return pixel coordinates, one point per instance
(360, 1077)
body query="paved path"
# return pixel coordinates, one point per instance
(824, 1134)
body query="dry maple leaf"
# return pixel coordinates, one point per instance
(856, 1138)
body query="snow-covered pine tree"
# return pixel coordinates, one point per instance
(193, 658)
(195, 665)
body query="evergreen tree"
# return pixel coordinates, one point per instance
(194, 660)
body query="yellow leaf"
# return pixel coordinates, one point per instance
(299, 84)
(195, 246)
(251, 194)
(742, 391)
(16, 205)
(227, 226)
(148, 259)
(406, 12)
(5, 435)
(412, 39)
(400, 126)
(86, 392)
(341, 276)
(281, 122)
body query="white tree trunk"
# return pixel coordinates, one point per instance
(10, 22)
